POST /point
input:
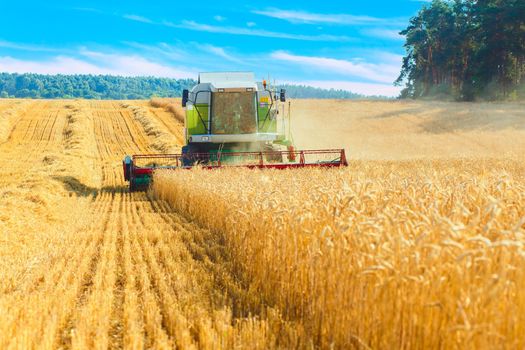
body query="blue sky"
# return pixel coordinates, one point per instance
(353, 45)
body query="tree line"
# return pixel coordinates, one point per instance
(465, 49)
(122, 88)
(89, 86)
(304, 91)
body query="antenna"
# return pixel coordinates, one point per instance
(290, 136)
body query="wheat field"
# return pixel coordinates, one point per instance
(417, 244)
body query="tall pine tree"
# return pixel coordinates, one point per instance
(465, 49)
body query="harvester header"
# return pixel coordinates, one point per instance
(232, 120)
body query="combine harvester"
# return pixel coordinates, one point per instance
(232, 121)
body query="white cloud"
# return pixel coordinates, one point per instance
(56, 65)
(217, 51)
(93, 62)
(134, 65)
(191, 25)
(138, 18)
(368, 89)
(391, 34)
(219, 18)
(251, 24)
(25, 47)
(166, 50)
(315, 18)
(186, 51)
(386, 57)
(385, 72)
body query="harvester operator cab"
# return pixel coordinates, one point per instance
(230, 111)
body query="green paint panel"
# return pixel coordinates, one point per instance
(142, 180)
(193, 120)
(270, 126)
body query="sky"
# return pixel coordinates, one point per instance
(350, 45)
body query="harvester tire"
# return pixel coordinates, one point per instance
(273, 155)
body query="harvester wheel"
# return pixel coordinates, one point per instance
(186, 156)
(273, 155)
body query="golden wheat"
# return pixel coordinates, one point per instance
(173, 105)
(393, 130)
(415, 254)
(382, 254)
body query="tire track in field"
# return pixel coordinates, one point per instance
(12, 149)
(41, 127)
(24, 118)
(41, 114)
(37, 131)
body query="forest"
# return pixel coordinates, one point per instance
(304, 91)
(124, 88)
(465, 50)
(89, 86)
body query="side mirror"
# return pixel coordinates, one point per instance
(185, 96)
(282, 95)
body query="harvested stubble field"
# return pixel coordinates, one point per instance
(418, 244)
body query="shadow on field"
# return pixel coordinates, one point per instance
(73, 185)
(446, 117)
(392, 114)
(475, 117)
(114, 189)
